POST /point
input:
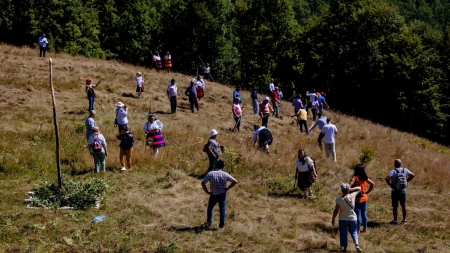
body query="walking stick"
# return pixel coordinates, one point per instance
(260, 118)
(335, 116)
(100, 107)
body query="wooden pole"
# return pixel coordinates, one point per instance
(58, 161)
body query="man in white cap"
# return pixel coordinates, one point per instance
(264, 111)
(121, 116)
(213, 149)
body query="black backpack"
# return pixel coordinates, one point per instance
(400, 181)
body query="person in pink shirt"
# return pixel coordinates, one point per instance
(237, 113)
(264, 111)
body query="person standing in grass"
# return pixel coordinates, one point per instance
(305, 173)
(172, 92)
(297, 103)
(271, 85)
(200, 87)
(213, 149)
(315, 108)
(43, 45)
(347, 216)
(153, 129)
(218, 191)
(90, 123)
(275, 102)
(191, 92)
(139, 84)
(264, 111)
(121, 115)
(126, 147)
(398, 179)
(97, 147)
(207, 72)
(237, 113)
(158, 62)
(361, 179)
(329, 131)
(321, 121)
(264, 135)
(302, 120)
(254, 97)
(167, 62)
(90, 92)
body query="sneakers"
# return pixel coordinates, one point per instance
(156, 152)
(358, 248)
(394, 222)
(309, 192)
(123, 169)
(403, 222)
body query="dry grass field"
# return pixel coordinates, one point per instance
(159, 205)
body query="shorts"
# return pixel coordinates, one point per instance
(397, 196)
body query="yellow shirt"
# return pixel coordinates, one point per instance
(302, 114)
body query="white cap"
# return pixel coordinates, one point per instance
(267, 99)
(120, 104)
(213, 132)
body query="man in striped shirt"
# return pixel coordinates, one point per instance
(218, 191)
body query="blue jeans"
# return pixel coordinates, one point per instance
(213, 200)
(255, 106)
(91, 103)
(99, 158)
(345, 226)
(361, 214)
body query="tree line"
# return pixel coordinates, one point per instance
(383, 60)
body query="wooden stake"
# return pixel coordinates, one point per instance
(58, 161)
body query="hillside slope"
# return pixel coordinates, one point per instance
(159, 206)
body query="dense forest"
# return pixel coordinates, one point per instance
(383, 60)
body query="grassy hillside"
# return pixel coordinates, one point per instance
(159, 206)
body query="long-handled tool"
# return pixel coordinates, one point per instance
(237, 122)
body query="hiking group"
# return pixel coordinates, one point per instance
(351, 205)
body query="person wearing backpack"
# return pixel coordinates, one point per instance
(126, 147)
(398, 179)
(305, 173)
(97, 147)
(361, 179)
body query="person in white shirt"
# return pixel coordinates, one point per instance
(271, 85)
(43, 44)
(311, 96)
(207, 72)
(158, 62)
(200, 87)
(330, 131)
(172, 91)
(121, 115)
(139, 84)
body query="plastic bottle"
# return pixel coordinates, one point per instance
(98, 219)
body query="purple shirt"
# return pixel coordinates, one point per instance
(297, 104)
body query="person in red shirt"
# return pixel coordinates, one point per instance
(275, 101)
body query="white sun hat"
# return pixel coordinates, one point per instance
(120, 104)
(213, 132)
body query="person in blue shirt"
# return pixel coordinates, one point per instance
(191, 92)
(90, 123)
(43, 44)
(255, 103)
(322, 102)
(236, 94)
(121, 116)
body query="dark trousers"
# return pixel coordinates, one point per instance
(173, 104)
(193, 102)
(319, 139)
(212, 162)
(265, 120)
(303, 123)
(213, 200)
(42, 51)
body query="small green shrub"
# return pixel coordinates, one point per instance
(367, 155)
(169, 248)
(73, 193)
(110, 89)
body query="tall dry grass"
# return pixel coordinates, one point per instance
(159, 206)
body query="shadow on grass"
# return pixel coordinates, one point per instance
(195, 229)
(198, 175)
(290, 194)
